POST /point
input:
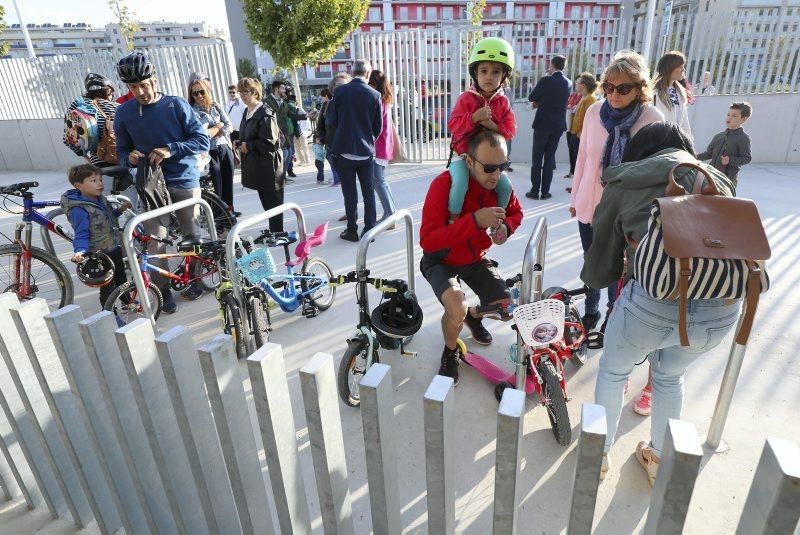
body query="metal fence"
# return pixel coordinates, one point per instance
(145, 433)
(43, 87)
(746, 51)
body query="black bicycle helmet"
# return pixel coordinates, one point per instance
(96, 270)
(399, 316)
(135, 67)
(94, 82)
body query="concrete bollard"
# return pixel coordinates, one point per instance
(677, 473)
(438, 408)
(509, 441)
(51, 459)
(318, 383)
(83, 381)
(10, 471)
(377, 416)
(235, 431)
(588, 462)
(773, 503)
(151, 392)
(182, 372)
(276, 424)
(104, 355)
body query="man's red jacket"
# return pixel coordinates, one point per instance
(461, 242)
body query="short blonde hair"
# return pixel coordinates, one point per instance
(631, 65)
(251, 85)
(205, 85)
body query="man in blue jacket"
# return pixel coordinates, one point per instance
(549, 97)
(164, 130)
(355, 115)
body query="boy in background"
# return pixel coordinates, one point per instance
(730, 149)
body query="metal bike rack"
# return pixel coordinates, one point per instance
(531, 286)
(45, 233)
(249, 222)
(380, 228)
(130, 252)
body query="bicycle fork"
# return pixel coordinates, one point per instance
(22, 263)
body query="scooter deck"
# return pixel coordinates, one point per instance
(495, 374)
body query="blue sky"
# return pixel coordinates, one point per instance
(97, 13)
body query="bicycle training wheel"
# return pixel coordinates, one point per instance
(48, 277)
(316, 267)
(125, 303)
(352, 368)
(555, 403)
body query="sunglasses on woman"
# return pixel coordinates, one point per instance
(622, 89)
(492, 167)
(198, 93)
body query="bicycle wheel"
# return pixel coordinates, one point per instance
(125, 303)
(555, 403)
(316, 267)
(352, 368)
(223, 215)
(206, 271)
(259, 317)
(48, 277)
(232, 324)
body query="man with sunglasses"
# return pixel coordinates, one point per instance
(457, 251)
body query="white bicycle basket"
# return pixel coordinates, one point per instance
(257, 265)
(540, 323)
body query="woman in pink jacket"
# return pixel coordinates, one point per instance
(384, 144)
(607, 127)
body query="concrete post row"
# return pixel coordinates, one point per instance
(591, 442)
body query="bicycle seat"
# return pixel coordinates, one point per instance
(303, 249)
(187, 244)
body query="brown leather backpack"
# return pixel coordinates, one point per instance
(107, 144)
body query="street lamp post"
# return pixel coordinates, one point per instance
(25, 34)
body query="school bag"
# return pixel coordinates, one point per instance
(701, 245)
(80, 127)
(151, 186)
(107, 144)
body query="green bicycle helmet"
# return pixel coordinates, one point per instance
(492, 49)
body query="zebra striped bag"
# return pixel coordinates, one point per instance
(703, 246)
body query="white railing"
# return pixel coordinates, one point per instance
(42, 88)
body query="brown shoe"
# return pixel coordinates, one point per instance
(648, 460)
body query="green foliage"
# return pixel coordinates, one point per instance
(579, 61)
(246, 69)
(476, 12)
(3, 44)
(126, 18)
(296, 32)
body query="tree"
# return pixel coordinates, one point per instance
(296, 32)
(3, 44)
(126, 19)
(246, 69)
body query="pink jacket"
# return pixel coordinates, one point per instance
(384, 143)
(586, 186)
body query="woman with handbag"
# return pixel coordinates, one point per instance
(384, 143)
(259, 144)
(640, 325)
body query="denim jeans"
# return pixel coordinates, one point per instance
(639, 326)
(348, 169)
(592, 303)
(333, 169)
(382, 189)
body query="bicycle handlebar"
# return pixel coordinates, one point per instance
(19, 188)
(274, 239)
(383, 285)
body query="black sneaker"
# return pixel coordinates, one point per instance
(545, 196)
(192, 293)
(479, 332)
(291, 174)
(449, 367)
(349, 236)
(532, 194)
(169, 306)
(590, 320)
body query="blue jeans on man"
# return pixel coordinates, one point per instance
(348, 170)
(545, 143)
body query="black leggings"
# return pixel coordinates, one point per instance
(270, 198)
(221, 170)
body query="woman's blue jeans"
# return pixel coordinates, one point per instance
(592, 303)
(382, 189)
(333, 169)
(639, 326)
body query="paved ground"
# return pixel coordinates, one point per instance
(765, 404)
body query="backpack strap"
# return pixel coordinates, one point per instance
(683, 292)
(752, 294)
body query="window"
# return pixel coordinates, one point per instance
(576, 12)
(430, 13)
(195, 30)
(117, 39)
(403, 13)
(115, 31)
(447, 13)
(596, 11)
(375, 14)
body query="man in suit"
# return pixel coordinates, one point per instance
(549, 97)
(355, 115)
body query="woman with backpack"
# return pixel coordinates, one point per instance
(640, 325)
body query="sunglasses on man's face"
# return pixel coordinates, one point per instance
(198, 93)
(622, 89)
(490, 168)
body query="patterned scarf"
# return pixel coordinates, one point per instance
(618, 124)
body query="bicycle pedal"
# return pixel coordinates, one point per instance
(594, 340)
(310, 312)
(406, 353)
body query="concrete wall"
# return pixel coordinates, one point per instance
(774, 127)
(35, 145)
